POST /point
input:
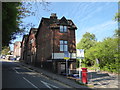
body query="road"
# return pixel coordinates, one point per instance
(16, 76)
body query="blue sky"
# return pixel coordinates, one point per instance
(93, 17)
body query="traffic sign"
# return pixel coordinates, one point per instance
(66, 58)
(66, 55)
(80, 53)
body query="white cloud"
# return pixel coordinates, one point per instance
(102, 29)
(100, 26)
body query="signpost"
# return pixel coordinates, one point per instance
(66, 57)
(80, 55)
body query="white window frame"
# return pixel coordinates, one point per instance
(63, 29)
(63, 45)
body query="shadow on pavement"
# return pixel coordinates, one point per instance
(93, 75)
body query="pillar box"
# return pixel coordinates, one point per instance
(84, 75)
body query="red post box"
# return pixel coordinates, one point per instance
(84, 75)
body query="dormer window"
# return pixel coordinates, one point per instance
(63, 29)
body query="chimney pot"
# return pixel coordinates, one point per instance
(53, 16)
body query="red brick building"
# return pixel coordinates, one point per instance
(17, 49)
(24, 49)
(31, 46)
(54, 36)
(28, 47)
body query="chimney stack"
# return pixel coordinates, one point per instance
(53, 16)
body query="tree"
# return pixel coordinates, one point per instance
(93, 53)
(117, 15)
(107, 54)
(88, 40)
(12, 15)
(5, 50)
(117, 33)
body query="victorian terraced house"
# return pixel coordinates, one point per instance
(53, 38)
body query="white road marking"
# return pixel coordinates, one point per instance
(48, 85)
(24, 67)
(16, 71)
(17, 67)
(31, 83)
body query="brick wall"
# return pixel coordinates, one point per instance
(44, 47)
(48, 41)
(69, 36)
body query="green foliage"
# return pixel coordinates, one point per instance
(5, 50)
(9, 25)
(87, 41)
(117, 33)
(12, 13)
(106, 52)
(117, 15)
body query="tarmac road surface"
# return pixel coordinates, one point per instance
(16, 76)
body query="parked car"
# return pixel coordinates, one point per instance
(3, 56)
(18, 58)
(11, 58)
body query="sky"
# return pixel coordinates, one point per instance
(93, 17)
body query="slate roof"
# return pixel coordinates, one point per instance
(62, 21)
(55, 22)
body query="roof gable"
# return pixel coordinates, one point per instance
(63, 21)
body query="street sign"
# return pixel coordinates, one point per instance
(66, 58)
(66, 55)
(80, 53)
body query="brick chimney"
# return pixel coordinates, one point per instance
(53, 16)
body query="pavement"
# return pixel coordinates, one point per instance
(103, 79)
(95, 79)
